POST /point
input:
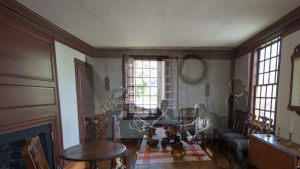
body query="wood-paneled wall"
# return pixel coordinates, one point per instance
(28, 83)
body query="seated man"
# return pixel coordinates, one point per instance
(204, 122)
(166, 114)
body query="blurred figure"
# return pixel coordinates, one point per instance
(166, 114)
(237, 100)
(204, 122)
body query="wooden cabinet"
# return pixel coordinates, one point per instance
(267, 153)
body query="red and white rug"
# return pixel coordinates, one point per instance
(149, 155)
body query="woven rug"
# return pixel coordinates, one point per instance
(149, 155)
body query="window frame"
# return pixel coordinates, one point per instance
(254, 77)
(137, 57)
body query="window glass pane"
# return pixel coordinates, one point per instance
(267, 114)
(173, 79)
(153, 106)
(273, 118)
(138, 92)
(138, 82)
(154, 91)
(272, 77)
(146, 82)
(267, 65)
(274, 50)
(273, 104)
(262, 113)
(260, 79)
(257, 103)
(168, 95)
(277, 62)
(263, 91)
(262, 54)
(173, 88)
(167, 64)
(173, 71)
(278, 49)
(268, 52)
(146, 63)
(153, 81)
(173, 96)
(138, 72)
(261, 67)
(266, 78)
(269, 91)
(262, 104)
(273, 64)
(168, 80)
(258, 91)
(138, 64)
(146, 73)
(173, 104)
(257, 113)
(154, 100)
(274, 90)
(153, 73)
(268, 104)
(153, 64)
(276, 75)
(146, 99)
(146, 91)
(168, 72)
(139, 100)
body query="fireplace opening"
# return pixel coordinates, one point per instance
(11, 145)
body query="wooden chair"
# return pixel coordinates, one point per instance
(241, 145)
(187, 114)
(33, 154)
(101, 128)
(237, 132)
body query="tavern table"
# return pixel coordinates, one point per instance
(92, 151)
(267, 153)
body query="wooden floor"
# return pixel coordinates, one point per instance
(219, 160)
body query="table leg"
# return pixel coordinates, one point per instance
(93, 164)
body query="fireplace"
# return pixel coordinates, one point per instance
(11, 145)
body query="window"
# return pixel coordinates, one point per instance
(149, 80)
(268, 57)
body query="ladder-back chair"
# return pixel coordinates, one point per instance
(33, 154)
(101, 132)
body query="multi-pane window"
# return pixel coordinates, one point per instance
(171, 82)
(150, 79)
(267, 79)
(145, 86)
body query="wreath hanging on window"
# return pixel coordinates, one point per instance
(189, 80)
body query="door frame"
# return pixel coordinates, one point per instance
(77, 61)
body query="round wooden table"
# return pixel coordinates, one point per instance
(92, 152)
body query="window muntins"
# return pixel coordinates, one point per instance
(267, 79)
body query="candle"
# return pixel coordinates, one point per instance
(270, 121)
(292, 124)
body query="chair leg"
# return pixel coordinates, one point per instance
(214, 139)
(127, 163)
(113, 163)
(229, 154)
(220, 145)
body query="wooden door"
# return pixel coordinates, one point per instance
(80, 88)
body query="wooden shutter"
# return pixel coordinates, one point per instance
(128, 78)
(171, 82)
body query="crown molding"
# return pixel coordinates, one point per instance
(22, 13)
(282, 27)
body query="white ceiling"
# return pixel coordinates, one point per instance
(162, 23)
